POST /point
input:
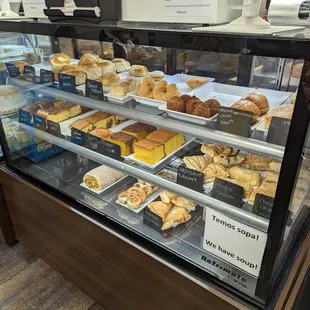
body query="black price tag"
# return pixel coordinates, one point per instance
(278, 130)
(152, 220)
(227, 192)
(93, 142)
(39, 122)
(67, 83)
(234, 121)
(53, 128)
(190, 178)
(78, 137)
(263, 206)
(110, 149)
(93, 90)
(24, 117)
(12, 69)
(46, 76)
(29, 74)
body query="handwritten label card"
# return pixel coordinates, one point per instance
(67, 83)
(234, 121)
(12, 69)
(46, 76)
(263, 206)
(39, 122)
(24, 117)
(53, 128)
(152, 220)
(278, 130)
(93, 90)
(190, 178)
(227, 192)
(29, 74)
(78, 137)
(110, 149)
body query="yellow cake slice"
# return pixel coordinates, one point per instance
(148, 151)
(58, 115)
(120, 119)
(125, 142)
(74, 109)
(101, 120)
(170, 139)
(82, 125)
(139, 130)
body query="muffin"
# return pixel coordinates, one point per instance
(214, 106)
(176, 104)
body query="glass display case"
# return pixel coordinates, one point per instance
(189, 141)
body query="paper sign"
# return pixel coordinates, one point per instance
(234, 242)
(29, 74)
(189, 8)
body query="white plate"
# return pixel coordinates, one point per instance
(116, 99)
(132, 157)
(146, 203)
(103, 190)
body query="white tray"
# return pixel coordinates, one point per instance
(145, 204)
(275, 97)
(147, 101)
(106, 188)
(120, 100)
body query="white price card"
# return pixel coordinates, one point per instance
(234, 242)
(189, 8)
(34, 8)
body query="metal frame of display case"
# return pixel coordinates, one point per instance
(186, 39)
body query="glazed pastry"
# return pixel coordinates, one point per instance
(283, 111)
(108, 78)
(257, 162)
(138, 71)
(246, 105)
(176, 104)
(248, 189)
(167, 197)
(101, 177)
(214, 171)
(191, 105)
(245, 175)
(214, 106)
(184, 203)
(202, 110)
(160, 208)
(272, 177)
(275, 166)
(196, 82)
(260, 100)
(198, 163)
(227, 161)
(176, 216)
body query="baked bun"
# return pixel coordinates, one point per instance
(214, 106)
(202, 110)
(176, 104)
(69, 68)
(260, 100)
(246, 105)
(196, 82)
(191, 105)
(106, 66)
(138, 71)
(283, 111)
(86, 61)
(59, 60)
(157, 75)
(121, 64)
(20, 65)
(91, 69)
(161, 84)
(186, 97)
(108, 78)
(172, 90)
(95, 58)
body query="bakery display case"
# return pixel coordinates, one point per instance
(185, 142)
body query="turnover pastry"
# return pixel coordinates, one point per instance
(167, 197)
(227, 160)
(245, 175)
(214, 171)
(272, 177)
(257, 162)
(176, 216)
(248, 189)
(267, 189)
(184, 203)
(260, 100)
(198, 163)
(196, 82)
(213, 150)
(246, 105)
(160, 208)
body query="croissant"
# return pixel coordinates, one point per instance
(198, 163)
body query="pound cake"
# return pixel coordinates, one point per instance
(148, 151)
(139, 130)
(101, 120)
(125, 142)
(82, 125)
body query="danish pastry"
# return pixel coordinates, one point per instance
(198, 163)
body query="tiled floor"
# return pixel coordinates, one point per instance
(26, 282)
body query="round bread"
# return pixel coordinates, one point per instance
(108, 78)
(172, 90)
(149, 82)
(106, 66)
(176, 104)
(214, 106)
(59, 60)
(260, 100)
(191, 105)
(138, 71)
(202, 110)
(86, 61)
(157, 75)
(96, 58)
(246, 105)
(283, 111)
(186, 97)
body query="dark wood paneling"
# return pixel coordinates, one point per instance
(108, 269)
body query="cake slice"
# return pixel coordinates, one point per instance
(82, 125)
(101, 120)
(125, 142)
(101, 133)
(139, 130)
(120, 119)
(74, 109)
(170, 139)
(148, 151)
(58, 115)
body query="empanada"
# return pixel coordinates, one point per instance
(257, 162)
(245, 175)
(160, 208)
(167, 197)
(176, 216)
(185, 203)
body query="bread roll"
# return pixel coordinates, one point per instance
(138, 71)
(91, 69)
(246, 105)
(157, 75)
(80, 76)
(283, 111)
(106, 66)
(108, 78)
(59, 60)
(260, 100)
(121, 65)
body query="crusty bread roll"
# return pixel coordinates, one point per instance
(138, 71)
(106, 66)
(283, 111)
(246, 105)
(91, 69)
(121, 64)
(260, 100)
(108, 78)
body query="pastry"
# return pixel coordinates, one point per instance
(136, 191)
(167, 197)
(160, 94)
(121, 64)
(245, 175)
(150, 82)
(82, 125)
(198, 163)
(20, 65)
(275, 166)
(246, 105)
(134, 201)
(120, 119)
(160, 84)
(123, 197)
(160, 208)
(149, 189)
(170, 139)
(176, 216)
(257, 162)
(260, 101)
(202, 110)
(58, 114)
(184, 203)
(108, 78)
(124, 141)
(101, 120)
(283, 111)
(186, 98)
(196, 82)
(90, 57)
(138, 71)
(165, 175)
(213, 150)
(144, 90)
(214, 171)
(272, 177)
(176, 104)
(120, 90)
(157, 75)
(227, 160)
(69, 67)
(248, 189)
(101, 133)
(106, 66)
(59, 60)
(214, 106)
(191, 105)
(101, 177)
(267, 189)
(148, 151)
(80, 76)
(139, 130)
(90, 68)
(74, 109)
(172, 90)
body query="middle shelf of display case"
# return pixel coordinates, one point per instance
(238, 214)
(204, 134)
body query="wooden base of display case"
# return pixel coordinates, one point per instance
(111, 271)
